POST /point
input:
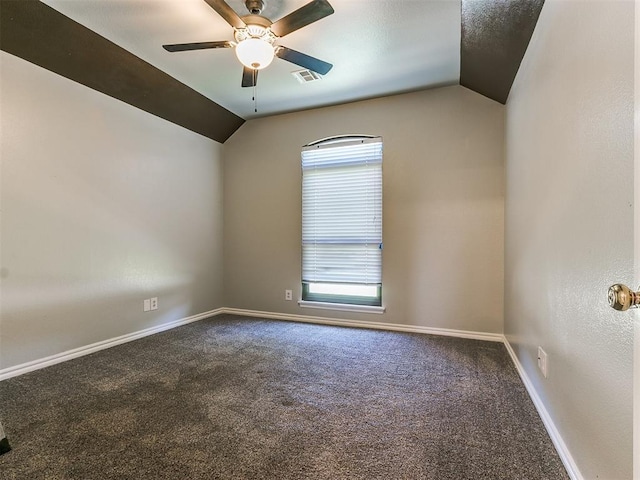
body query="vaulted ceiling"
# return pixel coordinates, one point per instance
(377, 48)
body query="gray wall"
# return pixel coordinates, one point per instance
(103, 205)
(442, 218)
(569, 225)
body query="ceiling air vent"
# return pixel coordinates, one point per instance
(306, 76)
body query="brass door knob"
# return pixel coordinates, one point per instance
(622, 297)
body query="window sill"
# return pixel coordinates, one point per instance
(343, 307)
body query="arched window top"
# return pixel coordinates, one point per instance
(344, 150)
(340, 139)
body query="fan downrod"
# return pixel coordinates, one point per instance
(254, 6)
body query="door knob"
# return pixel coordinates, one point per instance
(623, 298)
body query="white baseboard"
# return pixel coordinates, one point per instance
(568, 461)
(492, 337)
(95, 347)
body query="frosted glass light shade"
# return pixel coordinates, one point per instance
(254, 53)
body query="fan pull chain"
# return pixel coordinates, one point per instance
(255, 91)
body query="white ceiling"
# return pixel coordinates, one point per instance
(377, 48)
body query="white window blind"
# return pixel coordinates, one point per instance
(342, 212)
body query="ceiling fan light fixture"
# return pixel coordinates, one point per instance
(255, 53)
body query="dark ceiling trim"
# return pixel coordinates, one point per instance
(41, 35)
(495, 36)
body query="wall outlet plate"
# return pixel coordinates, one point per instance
(288, 294)
(543, 361)
(154, 303)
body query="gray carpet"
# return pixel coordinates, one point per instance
(239, 398)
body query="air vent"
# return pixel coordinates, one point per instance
(306, 76)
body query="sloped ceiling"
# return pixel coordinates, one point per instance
(33, 31)
(495, 36)
(378, 48)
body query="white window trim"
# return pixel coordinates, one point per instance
(342, 307)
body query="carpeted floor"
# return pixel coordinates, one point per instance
(239, 398)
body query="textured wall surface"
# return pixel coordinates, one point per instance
(103, 205)
(442, 207)
(636, 365)
(569, 225)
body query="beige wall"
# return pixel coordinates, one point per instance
(443, 207)
(569, 225)
(103, 205)
(636, 188)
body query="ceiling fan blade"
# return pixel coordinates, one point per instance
(249, 77)
(311, 12)
(183, 47)
(303, 60)
(225, 11)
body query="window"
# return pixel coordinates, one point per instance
(342, 221)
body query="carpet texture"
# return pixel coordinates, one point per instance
(239, 398)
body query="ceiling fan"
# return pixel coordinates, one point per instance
(256, 37)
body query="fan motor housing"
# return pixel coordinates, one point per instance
(257, 20)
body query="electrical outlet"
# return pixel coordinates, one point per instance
(146, 305)
(288, 294)
(154, 303)
(543, 363)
